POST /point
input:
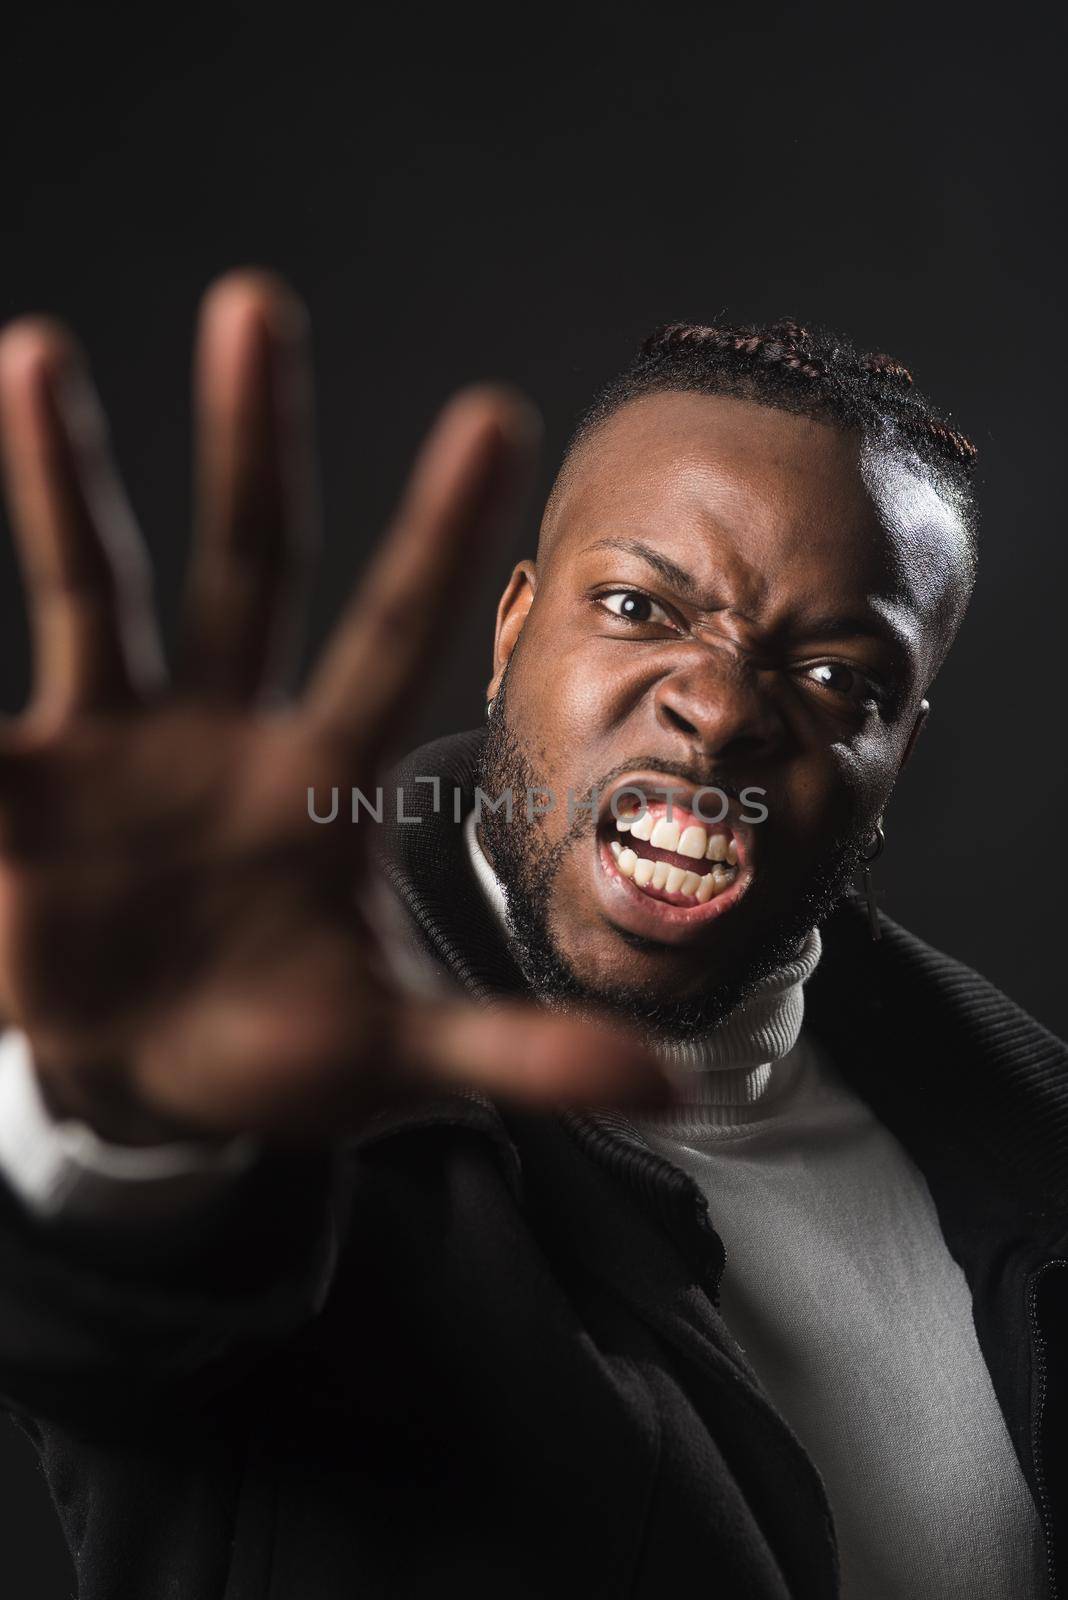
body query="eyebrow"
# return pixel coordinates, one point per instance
(871, 626)
(669, 570)
(828, 627)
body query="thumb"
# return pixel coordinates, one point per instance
(519, 1053)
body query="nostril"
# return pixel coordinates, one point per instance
(678, 721)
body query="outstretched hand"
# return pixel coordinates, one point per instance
(181, 944)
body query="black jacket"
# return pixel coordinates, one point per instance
(479, 1354)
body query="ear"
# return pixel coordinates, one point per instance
(516, 601)
(921, 718)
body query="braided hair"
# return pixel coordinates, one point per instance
(810, 372)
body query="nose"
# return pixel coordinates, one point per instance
(717, 703)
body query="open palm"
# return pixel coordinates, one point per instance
(182, 945)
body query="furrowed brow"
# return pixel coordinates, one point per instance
(867, 625)
(833, 626)
(677, 576)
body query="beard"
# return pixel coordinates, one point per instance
(527, 865)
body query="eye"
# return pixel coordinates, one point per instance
(634, 606)
(848, 682)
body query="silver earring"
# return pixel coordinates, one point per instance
(873, 852)
(489, 706)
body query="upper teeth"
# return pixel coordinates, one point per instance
(641, 827)
(693, 840)
(665, 835)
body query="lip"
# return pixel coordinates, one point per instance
(658, 916)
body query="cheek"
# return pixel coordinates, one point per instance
(591, 700)
(842, 786)
(541, 714)
(564, 699)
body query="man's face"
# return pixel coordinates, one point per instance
(728, 596)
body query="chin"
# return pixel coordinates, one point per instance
(677, 990)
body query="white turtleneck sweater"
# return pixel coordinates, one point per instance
(850, 1309)
(838, 1287)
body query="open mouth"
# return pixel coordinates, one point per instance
(678, 860)
(670, 872)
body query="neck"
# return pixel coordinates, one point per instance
(738, 1071)
(732, 1067)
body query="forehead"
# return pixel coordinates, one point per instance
(785, 502)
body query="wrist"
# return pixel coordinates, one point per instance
(99, 1096)
(62, 1170)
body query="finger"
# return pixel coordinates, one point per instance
(468, 477)
(85, 569)
(294, 1070)
(256, 502)
(520, 1054)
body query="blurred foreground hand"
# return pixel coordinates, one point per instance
(180, 942)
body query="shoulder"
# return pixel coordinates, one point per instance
(926, 1036)
(901, 970)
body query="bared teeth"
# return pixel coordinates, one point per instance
(663, 878)
(665, 835)
(692, 842)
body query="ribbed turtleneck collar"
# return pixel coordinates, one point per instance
(732, 1072)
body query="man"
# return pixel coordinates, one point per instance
(313, 1284)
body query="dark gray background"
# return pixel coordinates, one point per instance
(522, 195)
